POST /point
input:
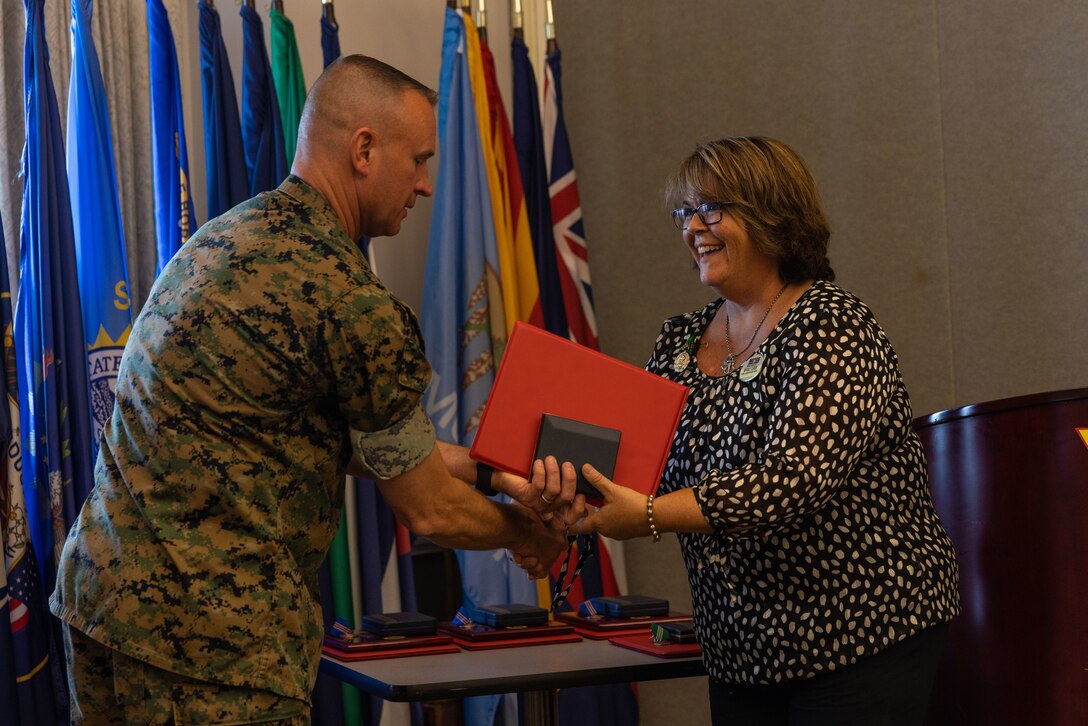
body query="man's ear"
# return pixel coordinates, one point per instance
(363, 148)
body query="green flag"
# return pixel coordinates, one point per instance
(287, 77)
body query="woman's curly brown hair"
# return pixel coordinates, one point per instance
(770, 191)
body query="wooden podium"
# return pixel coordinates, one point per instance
(1010, 482)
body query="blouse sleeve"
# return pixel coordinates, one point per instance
(839, 375)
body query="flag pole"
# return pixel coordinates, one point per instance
(277, 5)
(327, 11)
(549, 29)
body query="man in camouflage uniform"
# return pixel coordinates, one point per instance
(268, 360)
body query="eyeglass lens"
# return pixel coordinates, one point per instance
(710, 213)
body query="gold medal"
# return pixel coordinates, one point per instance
(681, 361)
(751, 367)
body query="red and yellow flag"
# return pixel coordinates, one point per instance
(517, 266)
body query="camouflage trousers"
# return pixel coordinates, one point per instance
(108, 687)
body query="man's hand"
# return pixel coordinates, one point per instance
(548, 492)
(540, 545)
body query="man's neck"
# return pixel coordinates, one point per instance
(338, 194)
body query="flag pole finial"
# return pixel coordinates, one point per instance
(481, 19)
(517, 20)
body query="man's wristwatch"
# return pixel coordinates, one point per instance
(483, 480)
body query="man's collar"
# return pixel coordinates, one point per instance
(298, 189)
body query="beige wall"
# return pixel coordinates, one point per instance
(949, 139)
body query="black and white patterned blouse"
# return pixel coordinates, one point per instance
(826, 547)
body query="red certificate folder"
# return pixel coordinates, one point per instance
(543, 373)
(644, 643)
(348, 656)
(482, 633)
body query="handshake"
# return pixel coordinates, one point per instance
(553, 510)
(546, 509)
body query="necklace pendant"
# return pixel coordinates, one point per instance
(681, 361)
(728, 363)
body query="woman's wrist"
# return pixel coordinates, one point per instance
(650, 518)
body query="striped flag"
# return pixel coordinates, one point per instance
(288, 79)
(26, 683)
(529, 140)
(570, 242)
(96, 217)
(8, 692)
(262, 129)
(224, 158)
(174, 220)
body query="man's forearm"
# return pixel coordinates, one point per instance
(458, 462)
(444, 508)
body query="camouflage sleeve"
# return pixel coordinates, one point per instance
(380, 372)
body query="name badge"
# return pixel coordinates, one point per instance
(752, 367)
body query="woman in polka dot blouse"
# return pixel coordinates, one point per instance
(822, 581)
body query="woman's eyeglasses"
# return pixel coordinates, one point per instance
(710, 213)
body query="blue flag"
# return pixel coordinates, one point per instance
(461, 256)
(174, 220)
(529, 141)
(54, 402)
(96, 215)
(330, 35)
(262, 130)
(224, 158)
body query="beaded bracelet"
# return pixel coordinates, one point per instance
(650, 517)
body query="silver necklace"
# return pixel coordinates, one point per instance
(729, 364)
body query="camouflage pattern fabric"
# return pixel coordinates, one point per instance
(266, 354)
(111, 688)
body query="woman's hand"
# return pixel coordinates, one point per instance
(623, 514)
